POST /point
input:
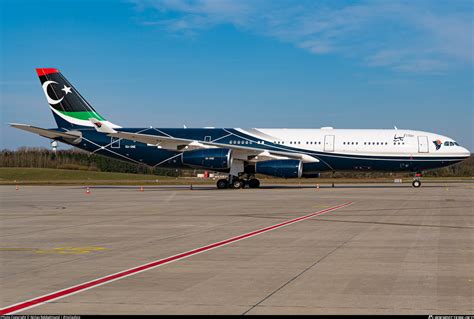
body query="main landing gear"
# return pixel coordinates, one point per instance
(237, 182)
(417, 180)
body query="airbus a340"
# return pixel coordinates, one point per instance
(242, 153)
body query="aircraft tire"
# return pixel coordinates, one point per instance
(222, 184)
(237, 183)
(254, 183)
(416, 183)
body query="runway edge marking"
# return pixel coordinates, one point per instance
(31, 303)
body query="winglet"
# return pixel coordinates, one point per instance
(102, 127)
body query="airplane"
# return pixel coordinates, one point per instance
(242, 153)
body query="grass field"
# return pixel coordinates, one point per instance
(47, 176)
(63, 176)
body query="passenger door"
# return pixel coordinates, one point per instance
(329, 143)
(423, 144)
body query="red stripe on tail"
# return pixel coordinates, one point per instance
(44, 71)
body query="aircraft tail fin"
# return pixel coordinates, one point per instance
(70, 109)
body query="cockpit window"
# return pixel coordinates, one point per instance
(456, 143)
(451, 143)
(446, 143)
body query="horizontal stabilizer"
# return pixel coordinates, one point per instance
(71, 135)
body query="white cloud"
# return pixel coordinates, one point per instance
(404, 36)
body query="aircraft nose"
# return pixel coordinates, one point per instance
(465, 152)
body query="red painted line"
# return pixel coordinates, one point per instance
(133, 271)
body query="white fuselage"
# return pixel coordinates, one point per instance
(363, 142)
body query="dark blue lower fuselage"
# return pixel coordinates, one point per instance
(151, 155)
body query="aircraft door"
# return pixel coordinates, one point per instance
(423, 144)
(329, 143)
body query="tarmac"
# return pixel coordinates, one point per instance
(394, 250)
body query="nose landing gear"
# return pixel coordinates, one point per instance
(417, 180)
(416, 183)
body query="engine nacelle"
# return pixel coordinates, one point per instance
(211, 158)
(280, 168)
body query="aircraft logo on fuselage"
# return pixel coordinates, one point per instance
(398, 138)
(437, 144)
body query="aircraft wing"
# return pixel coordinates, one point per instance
(73, 135)
(247, 153)
(150, 139)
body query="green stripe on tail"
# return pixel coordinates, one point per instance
(84, 115)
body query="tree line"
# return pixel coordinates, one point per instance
(81, 160)
(74, 159)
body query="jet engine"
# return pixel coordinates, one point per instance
(280, 168)
(211, 158)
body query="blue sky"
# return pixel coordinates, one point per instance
(247, 63)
